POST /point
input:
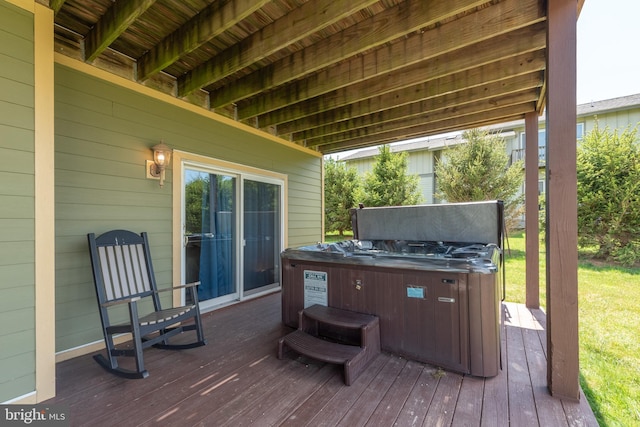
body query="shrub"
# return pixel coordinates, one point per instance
(608, 172)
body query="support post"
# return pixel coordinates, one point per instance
(561, 204)
(532, 228)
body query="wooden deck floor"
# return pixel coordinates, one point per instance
(236, 379)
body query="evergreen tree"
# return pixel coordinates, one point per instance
(340, 186)
(389, 184)
(479, 170)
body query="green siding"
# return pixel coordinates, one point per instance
(17, 257)
(103, 137)
(618, 120)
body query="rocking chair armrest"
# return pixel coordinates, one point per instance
(121, 301)
(173, 288)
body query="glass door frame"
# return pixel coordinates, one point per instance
(234, 295)
(182, 160)
(266, 180)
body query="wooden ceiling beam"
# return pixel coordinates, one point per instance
(449, 108)
(443, 39)
(376, 72)
(404, 18)
(340, 147)
(56, 5)
(112, 24)
(414, 117)
(498, 115)
(205, 26)
(430, 87)
(513, 90)
(291, 28)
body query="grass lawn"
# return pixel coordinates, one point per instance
(609, 310)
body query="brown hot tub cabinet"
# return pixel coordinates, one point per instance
(443, 310)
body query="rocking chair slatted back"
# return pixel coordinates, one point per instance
(124, 271)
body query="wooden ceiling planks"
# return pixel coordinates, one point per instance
(330, 75)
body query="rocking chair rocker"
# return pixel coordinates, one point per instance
(123, 274)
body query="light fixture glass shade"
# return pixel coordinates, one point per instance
(161, 159)
(161, 155)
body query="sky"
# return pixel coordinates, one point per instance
(608, 50)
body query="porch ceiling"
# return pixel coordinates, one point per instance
(331, 75)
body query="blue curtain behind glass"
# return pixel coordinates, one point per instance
(261, 233)
(216, 254)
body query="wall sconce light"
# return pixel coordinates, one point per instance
(161, 159)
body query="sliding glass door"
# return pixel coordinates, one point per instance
(262, 231)
(210, 233)
(232, 233)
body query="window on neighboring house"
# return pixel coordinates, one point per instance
(542, 145)
(579, 131)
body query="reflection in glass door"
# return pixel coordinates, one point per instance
(262, 231)
(210, 234)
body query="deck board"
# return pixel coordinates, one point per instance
(522, 409)
(236, 379)
(393, 402)
(468, 410)
(416, 407)
(444, 401)
(361, 411)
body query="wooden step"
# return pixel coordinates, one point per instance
(337, 317)
(307, 340)
(320, 349)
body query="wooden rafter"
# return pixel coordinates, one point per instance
(373, 32)
(205, 26)
(319, 72)
(418, 48)
(442, 81)
(496, 115)
(445, 107)
(452, 104)
(300, 23)
(56, 5)
(117, 19)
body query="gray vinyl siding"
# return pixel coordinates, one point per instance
(17, 201)
(103, 135)
(421, 163)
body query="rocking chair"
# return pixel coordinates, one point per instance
(123, 274)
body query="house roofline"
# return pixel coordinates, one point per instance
(431, 143)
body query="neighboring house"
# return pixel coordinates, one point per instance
(616, 113)
(422, 157)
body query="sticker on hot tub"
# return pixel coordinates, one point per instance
(415, 292)
(315, 288)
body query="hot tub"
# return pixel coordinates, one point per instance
(436, 286)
